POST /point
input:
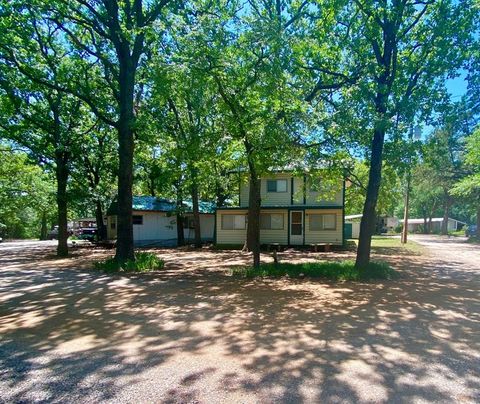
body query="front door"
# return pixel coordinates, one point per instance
(296, 227)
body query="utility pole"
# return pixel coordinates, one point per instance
(417, 132)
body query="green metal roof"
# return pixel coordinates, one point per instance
(154, 204)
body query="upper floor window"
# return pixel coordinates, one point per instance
(137, 219)
(233, 222)
(276, 185)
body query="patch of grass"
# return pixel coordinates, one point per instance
(341, 270)
(386, 242)
(144, 262)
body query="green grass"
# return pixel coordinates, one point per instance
(394, 243)
(341, 270)
(144, 262)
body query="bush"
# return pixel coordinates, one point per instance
(144, 262)
(342, 270)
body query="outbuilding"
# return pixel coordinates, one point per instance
(155, 221)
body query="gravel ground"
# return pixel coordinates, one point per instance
(74, 335)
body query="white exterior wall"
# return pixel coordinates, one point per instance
(156, 226)
(315, 198)
(324, 236)
(207, 227)
(111, 233)
(298, 190)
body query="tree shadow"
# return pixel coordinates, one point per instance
(71, 335)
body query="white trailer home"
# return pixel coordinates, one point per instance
(155, 221)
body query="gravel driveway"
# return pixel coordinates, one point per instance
(81, 336)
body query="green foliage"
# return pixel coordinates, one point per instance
(26, 193)
(343, 271)
(144, 262)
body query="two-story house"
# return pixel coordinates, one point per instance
(296, 209)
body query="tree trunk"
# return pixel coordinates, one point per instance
(61, 173)
(425, 221)
(196, 213)
(405, 213)
(446, 213)
(126, 122)
(253, 225)
(367, 225)
(101, 228)
(478, 221)
(43, 228)
(180, 233)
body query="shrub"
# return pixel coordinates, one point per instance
(144, 262)
(341, 270)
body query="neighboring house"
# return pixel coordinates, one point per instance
(384, 224)
(417, 225)
(296, 209)
(155, 221)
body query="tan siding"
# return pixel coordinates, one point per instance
(230, 236)
(324, 236)
(275, 236)
(298, 190)
(244, 189)
(276, 198)
(317, 199)
(239, 236)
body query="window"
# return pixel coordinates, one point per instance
(233, 222)
(276, 185)
(137, 219)
(319, 222)
(271, 221)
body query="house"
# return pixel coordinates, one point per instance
(155, 221)
(296, 209)
(384, 224)
(417, 225)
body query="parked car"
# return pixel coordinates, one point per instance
(471, 230)
(87, 233)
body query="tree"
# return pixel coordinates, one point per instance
(405, 50)
(109, 38)
(469, 186)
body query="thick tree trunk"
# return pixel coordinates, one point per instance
(61, 174)
(253, 225)
(180, 231)
(101, 228)
(196, 214)
(126, 122)
(43, 226)
(367, 225)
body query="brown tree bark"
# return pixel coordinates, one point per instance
(101, 228)
(196, 213)
(478, 221)
(446, 213)
(61, 174)
(43, 226)
(180, 231)
(124, 250)
(367, 225)
(254, 203)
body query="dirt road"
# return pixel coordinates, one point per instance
(81, 336)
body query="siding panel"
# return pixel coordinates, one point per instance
(323, 236)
